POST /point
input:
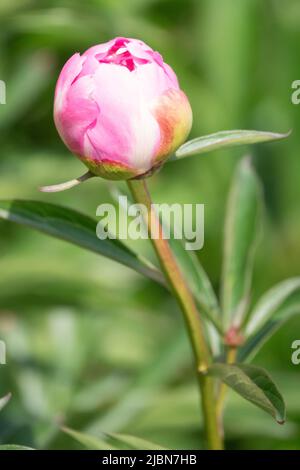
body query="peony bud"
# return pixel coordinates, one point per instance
(119, 108)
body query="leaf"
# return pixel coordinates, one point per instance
(252, 346)
(215, 338)
(88, 441)
(134, 443)
(74, 227)
(254, 384)
(269, 303)
(225, 139)
(111, 441)
(4, 400)
(14, 447)
(241, 231)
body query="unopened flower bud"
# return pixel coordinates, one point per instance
(119, 108)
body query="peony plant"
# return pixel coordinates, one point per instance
(119, 108)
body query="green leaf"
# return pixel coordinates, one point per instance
(14, 447)
(241, 231)
(254, 384)
(112, 441)
(4, 400)
(252, 346)
(72, 226)
(269, 304)
(214, 337)
(134, 443)
(89, 441)
(225, 139)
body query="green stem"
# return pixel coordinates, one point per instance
(186, 301)
(222, 392)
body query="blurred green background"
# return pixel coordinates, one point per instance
(89, 342)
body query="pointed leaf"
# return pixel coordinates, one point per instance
(14, 447)
(111, 441)
(269, 304)
(89, 441)
(253, 345)
(241, 231)
(72, 226)
(254, 384)
(134, 443)
(225, 139)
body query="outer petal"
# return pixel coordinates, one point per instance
(79, 113)
(174, 116)
(154, 81)
(70, 71)
(126, 131)
(171, 75)
(89, 66)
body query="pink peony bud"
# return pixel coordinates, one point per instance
(119, 108)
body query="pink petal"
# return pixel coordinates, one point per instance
(126, 131)
(70, 71)
(78, 114)
(154, 81)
